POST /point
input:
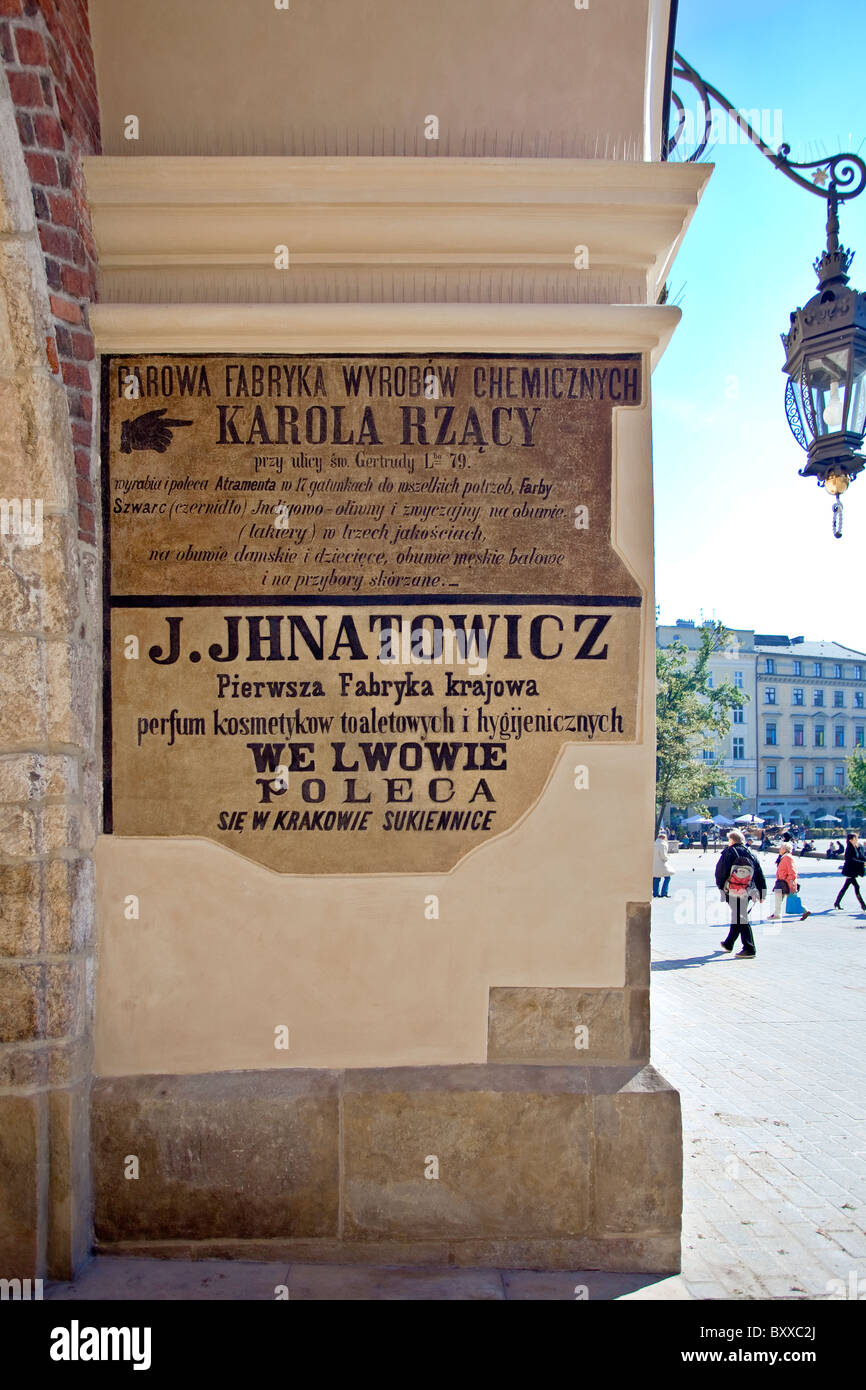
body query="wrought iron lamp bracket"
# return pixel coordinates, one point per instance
(836, 178)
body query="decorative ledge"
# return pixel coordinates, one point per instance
(420, 328)
(166, 220)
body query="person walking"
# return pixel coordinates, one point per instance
(740, 880)
(704, 842)
(786, 882)
(661, 867)
(853, 867)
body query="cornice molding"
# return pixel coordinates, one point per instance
(226, 215)
(421, 328)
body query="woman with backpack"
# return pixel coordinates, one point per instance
(740, 880)
(786, 881)
(853, 867)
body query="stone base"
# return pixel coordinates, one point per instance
(510, 1166)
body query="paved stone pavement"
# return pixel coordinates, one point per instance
(768, 1055)
(114, 1278)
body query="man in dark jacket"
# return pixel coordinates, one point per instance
(853, 868)
(740, 880)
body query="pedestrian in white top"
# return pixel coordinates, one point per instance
(661, 867)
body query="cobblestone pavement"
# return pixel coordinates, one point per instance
(768, 1056)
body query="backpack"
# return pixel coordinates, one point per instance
(740, 878)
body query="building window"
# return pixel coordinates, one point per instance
(819, 778)
(770, 735)
(739, 746)
(798, 779)
(769, 695)
(797, 695)
(839, 736)
(858, 699)
(770, 668)
(739, 715)
(771, 779)
(740, 786)
(709, 755)
(710, 681)
(817, 697)
(738, 680)
(817, 669)
(858, 673)
(839, 777)
(838, 699)
(860, 736)
(819, 735)
(837, 672)
(798, 668)
(799, 735)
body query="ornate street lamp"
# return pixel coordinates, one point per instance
(825, 347)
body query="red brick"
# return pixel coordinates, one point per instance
(31, 49)
(83, 407)
(26, 89)
(55, 242)
(82, 347)
(85, 492)
(81, 433)
(25, 128)
(75, 281)
(82, 463)
(49, 132)
(10, 7)
(64, 309)
(42, 168)
(86, 525)
(62, 209)
(51, 354)
(73, 375)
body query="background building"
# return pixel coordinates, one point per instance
(737, 754)
(789, 746)
(811, 717)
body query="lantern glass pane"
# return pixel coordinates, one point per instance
(827, 380)
(857, 409)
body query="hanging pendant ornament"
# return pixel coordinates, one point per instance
(837, 519)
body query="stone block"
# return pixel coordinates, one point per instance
(65, 1012)
(22, 716)
(245, 1155)
(49, 573)
(22, 1127)
(18, 832)
(539, 1026)
(20, 925)
(24, 321)
(638, 1158)
(512, 1154)
(67, 911)
(69, 1225)
(637, 945)
(36, 454)
(639, 1024)
(20, 1002)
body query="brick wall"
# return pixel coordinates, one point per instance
(46, 51)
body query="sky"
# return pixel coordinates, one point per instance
(739, 536)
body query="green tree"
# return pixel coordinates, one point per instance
(691, 716)
(857, 781)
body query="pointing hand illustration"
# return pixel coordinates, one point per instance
(148, 431)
